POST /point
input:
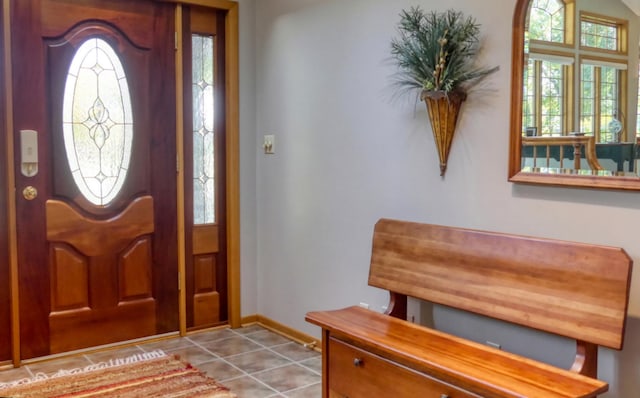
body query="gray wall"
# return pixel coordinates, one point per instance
(248, 204)
(316, 74)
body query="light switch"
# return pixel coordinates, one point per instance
(269, 144)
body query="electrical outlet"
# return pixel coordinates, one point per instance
(269, 144)
(413, 311)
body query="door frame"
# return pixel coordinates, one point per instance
(10, 181)
(232, 166)
(232, 149)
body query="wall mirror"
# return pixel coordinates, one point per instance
(575, 114)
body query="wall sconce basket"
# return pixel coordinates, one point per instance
(444, 108)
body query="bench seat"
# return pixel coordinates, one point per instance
(571, 289)
(472, 367)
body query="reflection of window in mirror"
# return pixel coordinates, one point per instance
(547, 19)
(580, 84)
(546, 100)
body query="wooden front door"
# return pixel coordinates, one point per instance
(96, 207)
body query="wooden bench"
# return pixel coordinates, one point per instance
(570, 289)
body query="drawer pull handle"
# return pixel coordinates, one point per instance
(444, 396)
(358, 362)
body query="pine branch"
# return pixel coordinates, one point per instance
(436, 51)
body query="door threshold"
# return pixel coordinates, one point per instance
(100, 348)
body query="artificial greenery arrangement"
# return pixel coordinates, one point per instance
(435, 55)
(436, 51)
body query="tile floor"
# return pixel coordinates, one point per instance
(252, 361)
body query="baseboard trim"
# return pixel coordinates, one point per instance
(283, 330)
(249, 320)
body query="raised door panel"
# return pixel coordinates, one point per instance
(135, 271)
(69, 279)
(206, 298)
(99, 294)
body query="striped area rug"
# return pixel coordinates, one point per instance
(152, 374)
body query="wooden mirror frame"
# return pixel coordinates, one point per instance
(515, 147)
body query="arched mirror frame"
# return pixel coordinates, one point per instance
(515, 147)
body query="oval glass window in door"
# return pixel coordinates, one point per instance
(97, 121)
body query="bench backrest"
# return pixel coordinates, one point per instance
(571, 289)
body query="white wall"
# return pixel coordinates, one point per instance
(348, 154)
(248, 205)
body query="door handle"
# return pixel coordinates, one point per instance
(30, 193)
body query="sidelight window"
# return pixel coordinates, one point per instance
(203, 130)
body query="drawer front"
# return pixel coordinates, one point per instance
(354, 373)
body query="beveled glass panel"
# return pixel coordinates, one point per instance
(97, 121)
(203, 129)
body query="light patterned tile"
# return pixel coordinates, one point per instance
(257, 361)
(232, 346)
(213, 335)
(312, 391)
(194, 355)
(295, 352)
(268, 338)
(167, 345)
(246, 387)
(288, 377)
(249, 329)
(243, 351)
(220, 370)
(314, 364)
(14, 374)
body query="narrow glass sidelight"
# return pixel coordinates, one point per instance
(203, 131)
(97, 121)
